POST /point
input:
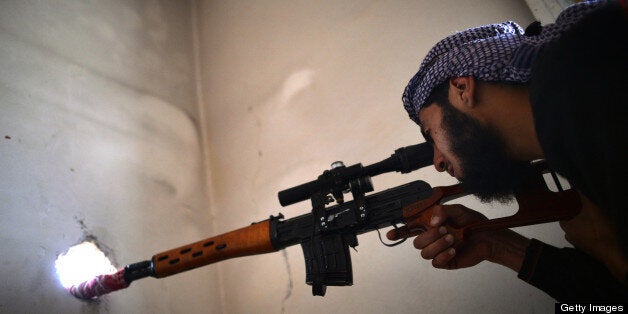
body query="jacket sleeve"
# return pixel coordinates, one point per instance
(569, 275)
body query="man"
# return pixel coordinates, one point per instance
(491, 99)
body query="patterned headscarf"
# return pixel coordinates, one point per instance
(492, 53)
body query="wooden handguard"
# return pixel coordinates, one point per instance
(251, 240)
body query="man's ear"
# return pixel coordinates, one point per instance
(462, 92)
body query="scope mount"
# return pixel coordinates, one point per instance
(327, 255)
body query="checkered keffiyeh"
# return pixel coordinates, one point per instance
(494, 53)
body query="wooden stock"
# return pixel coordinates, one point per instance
(536, 205)
(251, 240)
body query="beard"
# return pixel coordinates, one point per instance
(488, 171)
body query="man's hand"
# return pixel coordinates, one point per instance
(504, 247)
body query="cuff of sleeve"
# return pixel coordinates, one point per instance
(530, 260)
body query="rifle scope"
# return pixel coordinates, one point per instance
(404, 160)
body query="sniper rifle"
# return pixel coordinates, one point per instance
(327, 232)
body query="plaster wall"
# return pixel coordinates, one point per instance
(289, 87)
(99, 140)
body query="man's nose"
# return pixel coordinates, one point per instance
(440, 163)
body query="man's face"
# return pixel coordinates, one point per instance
(472, 152)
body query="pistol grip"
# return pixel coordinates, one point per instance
(420, 223)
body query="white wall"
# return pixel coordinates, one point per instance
(98, 139)
(291, 86)
(546, 11)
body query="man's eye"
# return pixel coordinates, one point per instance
(427, 137)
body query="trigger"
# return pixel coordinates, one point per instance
(393, 235)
